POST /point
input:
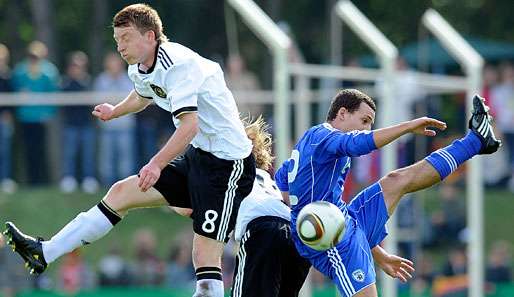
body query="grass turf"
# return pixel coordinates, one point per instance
(44, 211)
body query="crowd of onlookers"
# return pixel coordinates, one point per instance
(174, 270)
(145, 268)
(88, 154)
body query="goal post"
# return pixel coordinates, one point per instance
(472, 64)
(278, 43)
(387, 55)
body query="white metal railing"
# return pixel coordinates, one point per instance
(60, 98)
(434, 83)
(278, 43)
(387, 54)
(472, 63)
(93, 98)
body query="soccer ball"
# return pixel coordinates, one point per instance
(320, 225)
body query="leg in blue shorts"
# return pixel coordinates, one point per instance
(368, 208)
(349, 265)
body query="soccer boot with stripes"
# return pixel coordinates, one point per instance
(29, 248)
(480, 123)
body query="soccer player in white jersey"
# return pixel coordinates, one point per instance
(215, 172)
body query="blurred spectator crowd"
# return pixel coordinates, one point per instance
(144, 269)
(147, 269)
(88, 154)
(64, 144)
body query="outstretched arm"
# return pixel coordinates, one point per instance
(419, 126)
(359, 142)
(132, 103)
(394, 266)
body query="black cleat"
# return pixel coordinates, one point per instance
(29, 248)
(480, 123)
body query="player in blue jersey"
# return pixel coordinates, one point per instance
(320, 162)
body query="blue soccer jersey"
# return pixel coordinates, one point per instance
(316, 171)
(319, 164)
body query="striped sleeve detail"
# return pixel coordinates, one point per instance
(208, 273)
(186, 109)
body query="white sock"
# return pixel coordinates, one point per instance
(209, 288)
(84, 229)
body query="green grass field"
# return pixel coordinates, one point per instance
(44, 211)
(499, 211)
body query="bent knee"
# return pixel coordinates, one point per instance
(396, 181)
(116, 197)
(394, 185)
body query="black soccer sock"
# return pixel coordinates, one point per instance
(208, 273)
(208, 282)
(111, 214)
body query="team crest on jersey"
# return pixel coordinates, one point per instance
(358, 275)
(158, 91)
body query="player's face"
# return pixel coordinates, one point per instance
(361, 119)
(133, 46)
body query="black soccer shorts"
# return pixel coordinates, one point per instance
(212, 187)
(267, 264)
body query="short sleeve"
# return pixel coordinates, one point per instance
(140, 91)
(183, 82)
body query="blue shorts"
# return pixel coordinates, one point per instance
(369, 210)
(350, 264)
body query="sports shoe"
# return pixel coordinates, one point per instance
(29, 248)
(480, 123)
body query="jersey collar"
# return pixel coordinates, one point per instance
(262, 172)
(328, 126)
(150, 70)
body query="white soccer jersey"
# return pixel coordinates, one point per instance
(181, 81)
(264, 200)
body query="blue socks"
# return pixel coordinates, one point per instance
(447, 159)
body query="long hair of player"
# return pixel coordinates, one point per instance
(258, 132)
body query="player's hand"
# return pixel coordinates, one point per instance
(397, 267)
(422, 126)
(148, 176)
(104, 112)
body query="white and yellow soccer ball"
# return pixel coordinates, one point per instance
(320, 225)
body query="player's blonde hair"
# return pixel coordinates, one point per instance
(262, 142)
(143, 17)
